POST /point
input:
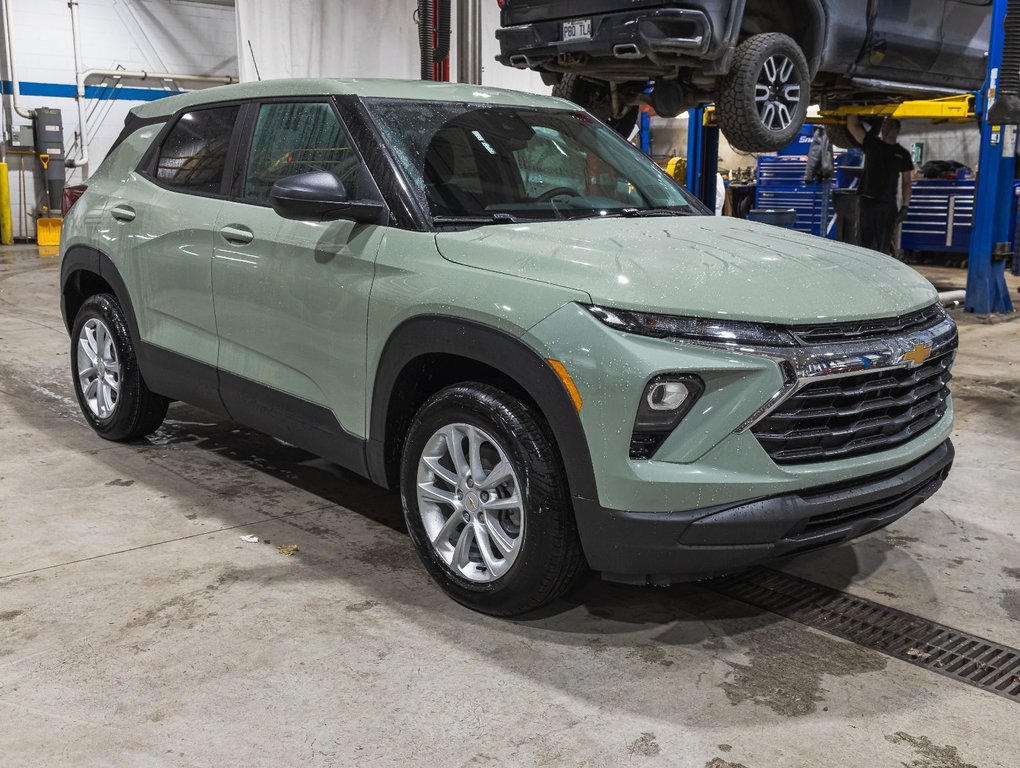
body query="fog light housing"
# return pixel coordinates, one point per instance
(664, 403)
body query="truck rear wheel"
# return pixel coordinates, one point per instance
(763, 100)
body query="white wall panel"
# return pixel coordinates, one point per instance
(354, 38)
(151, 35)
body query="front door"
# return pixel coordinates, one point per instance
(292, 296)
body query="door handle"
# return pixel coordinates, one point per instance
(123, 212)
(236, 234)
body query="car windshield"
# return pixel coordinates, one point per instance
(476, 163)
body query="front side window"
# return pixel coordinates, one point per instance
(300, 138)
(193, 157)
(496, 162)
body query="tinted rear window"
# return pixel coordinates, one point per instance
(193, 157)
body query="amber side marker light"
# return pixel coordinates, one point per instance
(568, 383)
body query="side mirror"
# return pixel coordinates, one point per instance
(321, 196)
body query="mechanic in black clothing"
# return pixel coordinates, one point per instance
(885, 162)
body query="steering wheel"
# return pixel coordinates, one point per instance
(549, 194)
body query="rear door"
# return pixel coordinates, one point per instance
(165, 219)
(292, 296)
(905, 40)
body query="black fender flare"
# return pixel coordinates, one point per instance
(82, 258)
(438, 334)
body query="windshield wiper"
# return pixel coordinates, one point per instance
(486, 218)
(637, 213)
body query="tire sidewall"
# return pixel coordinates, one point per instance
(533, 460)
(737, 109)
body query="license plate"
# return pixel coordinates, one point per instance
(576, 30)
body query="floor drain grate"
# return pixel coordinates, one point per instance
(968, 658)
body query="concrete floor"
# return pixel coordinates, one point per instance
(138, 629)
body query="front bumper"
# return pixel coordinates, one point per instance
(629, 36)
(660, 548)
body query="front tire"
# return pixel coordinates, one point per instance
(111, 393)
(763, 100)
(486, 502)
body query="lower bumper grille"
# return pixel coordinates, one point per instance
(855, 415)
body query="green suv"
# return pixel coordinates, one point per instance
(491, 302)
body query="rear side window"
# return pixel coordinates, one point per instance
(193, 157)
(300, 138)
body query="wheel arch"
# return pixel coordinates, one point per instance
(409, 372)
(86, 271)
(806, 21)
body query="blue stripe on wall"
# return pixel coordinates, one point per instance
(64, 91)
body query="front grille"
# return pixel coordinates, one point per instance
(865, 413)
(866, 330)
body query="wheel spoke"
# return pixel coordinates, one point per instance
(495, 564)
(783, 113)
(90, 388)
(111, 383)
(475, 454)
(86, 374)
(86, 345)
(100, 339)
(446, 532)
(462, 551)
(786, 69)
(113, 367)
(769, 69)
(456, 450)
(510, 502)
(761, 93)
(429, 492)
(499, 474)
(768, 113)
(100, 396)
(448, 477)
(498, 535)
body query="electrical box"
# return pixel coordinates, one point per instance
(49, 150)
(22, 137)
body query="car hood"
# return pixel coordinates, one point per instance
(698, 265)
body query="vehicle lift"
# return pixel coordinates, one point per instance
(996, 108)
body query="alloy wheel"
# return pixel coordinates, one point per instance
(98, 368)
(777, 92)
(470, 502)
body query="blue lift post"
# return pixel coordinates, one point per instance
(986, 278)
(702, 157)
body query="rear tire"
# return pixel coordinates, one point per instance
(841, 137)
(111, 393)
(763, 100)
(500, 546)
(595, 97)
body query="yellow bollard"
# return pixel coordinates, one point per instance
(6, 232)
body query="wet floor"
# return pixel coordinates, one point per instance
(138, 628)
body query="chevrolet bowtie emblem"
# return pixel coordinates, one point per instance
(917, 355)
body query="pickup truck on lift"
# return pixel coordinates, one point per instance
(761, 62)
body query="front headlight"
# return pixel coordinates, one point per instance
(729, 332)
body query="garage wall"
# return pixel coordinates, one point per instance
(152, 35)
(354, 38)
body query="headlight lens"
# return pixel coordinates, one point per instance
(729, 332)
